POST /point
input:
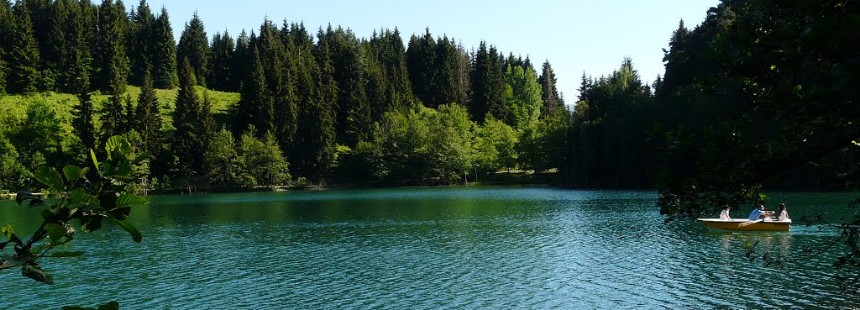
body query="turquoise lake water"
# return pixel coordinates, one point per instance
(435, 248)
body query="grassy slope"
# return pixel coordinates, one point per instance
(14, 107)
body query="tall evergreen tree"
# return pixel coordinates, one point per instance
(445, 87)
(240, 64)
(163, 53)
(55, 48)
(74, 69)
(220, 66)
(552, 102)
(255, 102)
(353, 112)
(148, 116)
(390, 55)
(188, 145)
(111, 61)
(194, 45)
(420, 59)
(24, 55)
(82, 120)
(496, 105)
(7, 28)
(140, 40)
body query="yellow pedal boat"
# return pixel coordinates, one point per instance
(746, 225)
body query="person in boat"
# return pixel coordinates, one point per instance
(759, 213)
(783, 214)
(724, 215)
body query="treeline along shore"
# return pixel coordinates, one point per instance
(758, 94)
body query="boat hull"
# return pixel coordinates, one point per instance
(744, 225)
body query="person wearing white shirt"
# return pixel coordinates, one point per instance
(724, 215)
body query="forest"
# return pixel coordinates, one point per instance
(758, 95)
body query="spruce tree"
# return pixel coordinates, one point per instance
(420, 59)
(194, 45)
(240, 64)
(140, 38)
(552, 102)
(24, 55)
(163, 53)
(188, 144)
(148, 116)
(56, 47)
(82, 120)
(111, 61)
(445, 87)
(220, 66)
(255, 101)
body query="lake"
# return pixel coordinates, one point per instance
(434, 248)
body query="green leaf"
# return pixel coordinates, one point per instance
(130, 200)
(67, 254)
(95, 160)
(10, 234)
(80, 195)
(73, 173)
(141, 157)
(120, 213)
(135, 234)
(55, 232)
(50, 177)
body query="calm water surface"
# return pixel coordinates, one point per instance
(449, 248)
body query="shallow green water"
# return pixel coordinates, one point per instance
(455, 248)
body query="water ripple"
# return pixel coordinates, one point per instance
(431, 249)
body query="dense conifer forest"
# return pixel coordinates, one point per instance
(759, 94)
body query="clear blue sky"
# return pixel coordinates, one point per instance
(575, 36)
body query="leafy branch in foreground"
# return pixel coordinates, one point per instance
(84, 197)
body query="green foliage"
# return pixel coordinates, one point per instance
(262, 162)
(110, 58)
(222, 160)
(194, 46)
(24, 54)
(190, 119)
(147, 119)
(221, 63)
(13, 174)
(164, 69)
(84, 199)
(772, 80)
(523, 95)
(552, 101)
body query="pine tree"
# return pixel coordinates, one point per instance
(552, 102)
(390, 55)
(496, 105)
(6, 31)
(113, 118)
(111, 61)
(240, 62)
(445, 87)
(317, 130)
(82, 121)
(56, 47)
(188, 144)
(420, 58)
(24, 55)
(148, 116)
(163, 53)
(75, 67)
(140, 37)
(220, 66)
(255, 101)
(194, 45)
